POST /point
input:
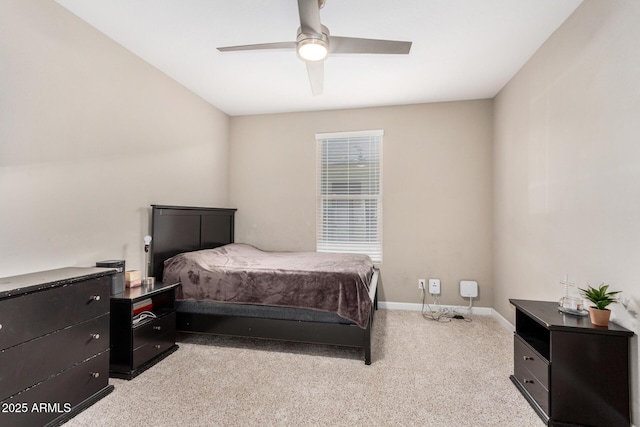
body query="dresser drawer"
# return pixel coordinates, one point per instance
(149, 331)
(26, 317)
(153, 348)
(59, 394)
(24, 365)
(534, 387)
(526, 357)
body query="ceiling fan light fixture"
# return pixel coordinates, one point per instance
(313, 49)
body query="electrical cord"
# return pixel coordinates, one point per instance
(443, 314)
(468, 313)
(143, 315)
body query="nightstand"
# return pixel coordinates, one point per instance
(138, 345)
(570, 371)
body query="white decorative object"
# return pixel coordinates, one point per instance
(147, 246)
(571, 303)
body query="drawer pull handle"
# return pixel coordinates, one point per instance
(95, 374)
(157, 328)
(0, 325)
(526, 381)
(95, 297)
(527, 358)
(157, 346)
(95, 336)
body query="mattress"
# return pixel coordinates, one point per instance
(243, 274)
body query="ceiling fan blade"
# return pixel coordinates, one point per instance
(309, 11)
(262, 46)
(356, 45)
(315, 69)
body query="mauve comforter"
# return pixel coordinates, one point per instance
(242, 274)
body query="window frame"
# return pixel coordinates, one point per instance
(331, 236)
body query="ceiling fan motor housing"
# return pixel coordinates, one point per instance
(313, 47)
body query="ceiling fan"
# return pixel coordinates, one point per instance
(314, 43)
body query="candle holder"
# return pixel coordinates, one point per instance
(146, 279)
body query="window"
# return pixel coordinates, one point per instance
(349, 194)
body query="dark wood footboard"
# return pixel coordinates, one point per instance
(341, 334)
(276, 329)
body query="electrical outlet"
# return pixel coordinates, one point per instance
(434, 286)
(421, 283)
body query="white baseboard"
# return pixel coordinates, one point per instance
(387, 305)
(482, 311)
(399, 306)
(504, 322)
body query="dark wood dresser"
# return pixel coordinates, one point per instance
(54, 344)
(571, 372)
(136, 346)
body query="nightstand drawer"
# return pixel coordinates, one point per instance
(24, 365)
(527, 358)
(33, 315)
(145, 333)
(535, 388)
(153, 348)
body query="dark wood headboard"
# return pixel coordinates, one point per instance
(177, 229)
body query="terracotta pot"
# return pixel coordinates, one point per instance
(599, 317)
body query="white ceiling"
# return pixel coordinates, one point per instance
(462, 49)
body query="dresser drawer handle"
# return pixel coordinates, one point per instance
(0, 325)
(95, 374)
(157, 328)
(95, 336)
(95, 297)
(157, 346)
(526, 381)
(527, 357)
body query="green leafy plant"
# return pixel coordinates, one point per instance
(599, 296)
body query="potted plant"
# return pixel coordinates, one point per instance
(599, 313)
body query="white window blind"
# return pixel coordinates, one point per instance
(349, 193)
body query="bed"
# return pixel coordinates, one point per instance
(184, 236)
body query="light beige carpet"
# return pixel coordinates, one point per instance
(424, 373)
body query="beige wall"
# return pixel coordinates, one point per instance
(90, 136)
(436, 185)
(567, 165)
